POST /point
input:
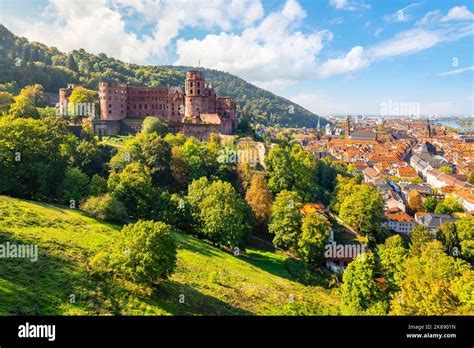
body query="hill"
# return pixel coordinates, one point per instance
(212, 281)
(24, 63)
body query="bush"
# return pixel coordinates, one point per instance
(144, 252)
(106, 208)
(97, 186)
(74, 185)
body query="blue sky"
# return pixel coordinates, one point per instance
(334, 57)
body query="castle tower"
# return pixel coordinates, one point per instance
(196, 92)
(347, 127)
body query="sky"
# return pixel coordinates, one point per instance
(334, 57)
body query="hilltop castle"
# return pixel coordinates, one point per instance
(197, 111)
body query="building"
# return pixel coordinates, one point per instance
(347, 127)
(197, 112)
(400, 222)
(466, 197)
(433, 221)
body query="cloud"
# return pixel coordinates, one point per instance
(348, 5)
(338, 20)
(402, 15)
(378, 31)
(100, 25)
(456, 72)
(458, 13)
(275, 51)
(352, 61)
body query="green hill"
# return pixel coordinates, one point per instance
(213, 282)
(24, 63)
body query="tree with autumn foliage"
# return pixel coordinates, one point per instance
(259, 198)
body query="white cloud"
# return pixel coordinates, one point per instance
(336, 21)
(352, 61)
(456, 71)
(272, 52)
(348, 5)
(378, 31)
(458, 13)
(402, 15)
(100, 25)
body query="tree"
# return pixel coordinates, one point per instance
(392, 256)
(179, 168)
(415, 203)
(105, 207)
(285, 220)
(427, 286)
(448, 206)
(430, 204)
(32, 157)
(6, 99)
(200, 160)
(419, 236)
(71, 63)
(23, 107)
(133, 187)
(448, 236)
(471, 178)
(97, 186)
(446, 169)
(82, 96)
(259, 198)
(225, 218)
(154, 125)
(359, 292)
(363, 211)
(315, 232)
(149, 150)
(35, 93)
(74, 186)
(465, 230)
(144, 252)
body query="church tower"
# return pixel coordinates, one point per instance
(347, 127)
(196, 92)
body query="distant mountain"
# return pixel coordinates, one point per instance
(23, 63)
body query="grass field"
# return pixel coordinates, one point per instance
(208, 281)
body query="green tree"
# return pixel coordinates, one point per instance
(133, 187)
(465, 230)
(154, 125)
(23, 107)
(225, 218)
(392, 256)
(448, 206)
(359, 292)
(32, 157)
(315, 231)
(179, 168)
(419, 236)
(430, 204)
(285, 220)
(35, 93)
(363, 211)
(448, 236)
(471, 178)
(71, 63)
(6, 100)
(446, 169)
(427, 286)
(149, 150)
(105, 207)
(74, 186)
(144, 252)
(97, 186)
(82, 96)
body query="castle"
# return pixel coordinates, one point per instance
(196, 112)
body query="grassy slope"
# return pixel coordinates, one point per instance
(212, 281)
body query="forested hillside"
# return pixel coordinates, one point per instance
(24, 63)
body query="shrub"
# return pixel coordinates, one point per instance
(105, 207)
(144, 252)
(97, 186)
(74, 185)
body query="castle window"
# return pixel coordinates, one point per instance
(192, 92)
(199, 91)
(110, 105)
(140, 106)
(199, 85)
(146, 107)
(192, 84)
